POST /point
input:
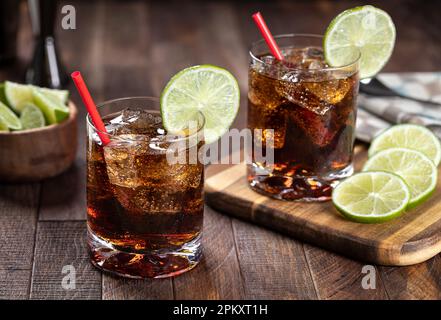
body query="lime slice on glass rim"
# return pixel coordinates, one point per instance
(208, 89)
(371, 197)
(409, 136)
(417, 170)
(54, 111)
(31, 117)
(9, 118)
(366, 30)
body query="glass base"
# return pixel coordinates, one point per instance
(296, 188)
(155, 264)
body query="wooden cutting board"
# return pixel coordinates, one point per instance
(412, 238)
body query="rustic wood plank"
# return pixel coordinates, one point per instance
(336, 277)
(18, 217)
(59, 244)
(272, 266)
(417, 282)
(217, 276)
(64, 197)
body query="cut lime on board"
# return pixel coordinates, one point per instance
(17, 95)
(9, 118)
(208, 89)
(31, 117)
(417, 170)
(371, 197)
(365, 30)
(53, 110)
(408, 136)
(3, 125)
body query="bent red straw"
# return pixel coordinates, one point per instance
(90, 106)
(266, 33)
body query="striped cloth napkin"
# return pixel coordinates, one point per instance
(378, 113)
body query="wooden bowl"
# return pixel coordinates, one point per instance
(36, 154)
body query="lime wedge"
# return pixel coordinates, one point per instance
(2, 93)
(31, 117)
(17, 95)
(371, 197)
(408, 136)
(3, 125)
(9, 117)
(211, 90)
(414, 167)
(366, 30)
(61, 95)
(53, 110)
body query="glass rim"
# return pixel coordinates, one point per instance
(158, 112)
(299, 35)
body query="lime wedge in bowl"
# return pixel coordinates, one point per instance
(417, 170)
(53, 110)
(408, 136)
(208, 89)
(9, 118)
(31, 117)
(17, 95)
(371, 197)
(3, 125)
(366, 30)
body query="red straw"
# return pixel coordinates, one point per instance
(258, 19)
(90, 106)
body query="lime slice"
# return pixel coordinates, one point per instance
(9, 117)
(414, 167)
(408, 136)
(3, 125)
(53, 110)
(17, 95)
(31, 117)
(366, 30)
(61, 95)
(371, 197)
(209, 89)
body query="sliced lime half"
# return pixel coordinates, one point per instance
(208, 89)
(9, 117)
(371, 197)
(414, 167)
(366, 30)
(408, 136)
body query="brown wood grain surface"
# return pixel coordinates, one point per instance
(128, 48)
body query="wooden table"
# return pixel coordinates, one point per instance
(126, 48)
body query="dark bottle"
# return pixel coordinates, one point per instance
(46, 69)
